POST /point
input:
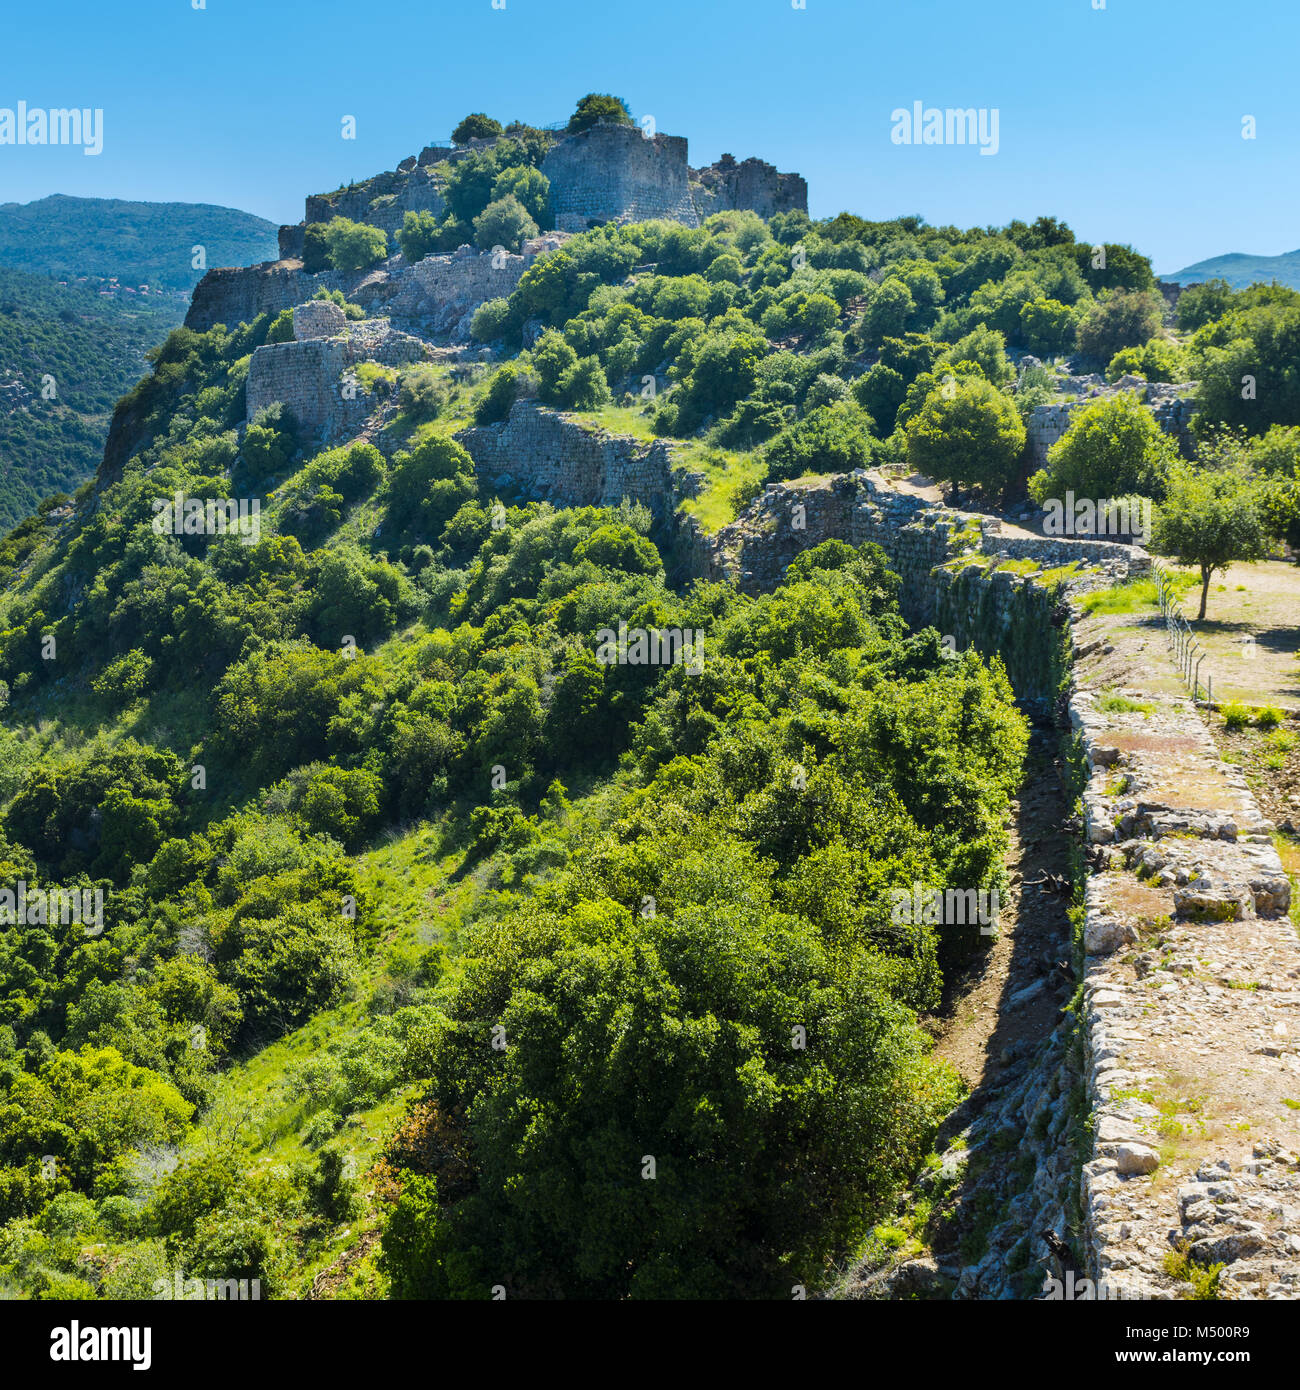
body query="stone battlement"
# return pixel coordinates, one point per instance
(614, 173)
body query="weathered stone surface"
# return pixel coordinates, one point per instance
(318, 318)
(440, 294)
(552, 456)
(1172, 411)
(613, 173)
(1136, 1158)
(311, 375)
(751, 184)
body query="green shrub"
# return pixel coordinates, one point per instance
(529, 187)
(1235, 715)
(315, 248)
(504, 223)
(491, 321)
(350, 311)
(421, 235)
(596, 107)
(1119, 320)
(1113, 448)
(423, 392)
(1158, 360)
(829, 439)
(476, 126)
(354, 245)
(281, 329)
(332, 1190)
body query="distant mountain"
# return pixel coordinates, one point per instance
(67, 353)
(1241, 271)
(139, 243)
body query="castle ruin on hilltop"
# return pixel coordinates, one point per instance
(608, 173)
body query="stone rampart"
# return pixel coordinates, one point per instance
(751, 183)
(311, 375)
(548, 455)
(1191, 1007)
(614, 173)
(382, 201)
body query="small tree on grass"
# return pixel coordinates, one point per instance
(1210, 519)
(967, 432)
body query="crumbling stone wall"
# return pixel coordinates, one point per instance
(1172, 407)
(751, 183)
(544, 454)
(238, 295)
(440, 293)
(613, 173)
(309, 375)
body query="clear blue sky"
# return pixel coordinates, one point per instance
(1126, 122)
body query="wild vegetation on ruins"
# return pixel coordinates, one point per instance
(454, 935)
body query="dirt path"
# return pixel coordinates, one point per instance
(1251, 633)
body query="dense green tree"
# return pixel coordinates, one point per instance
(967, 433)
(1112, 449)
(476, 126)
(529, 187)
(596, 107)
(1122, 319)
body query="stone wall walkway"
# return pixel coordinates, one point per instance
(1192, 988)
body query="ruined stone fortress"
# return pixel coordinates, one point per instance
(1182, 865)
(609, 173)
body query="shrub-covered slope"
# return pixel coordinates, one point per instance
(446, 943)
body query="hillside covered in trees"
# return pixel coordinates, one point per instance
(439, 952)
(67, 353)
(138, 243)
